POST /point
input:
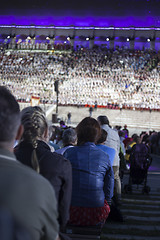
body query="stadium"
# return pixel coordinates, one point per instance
(73, 60)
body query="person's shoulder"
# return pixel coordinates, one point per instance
(29, 177)
(60, 158)
(38, 187)
(57, 155)
(101, 149)
(102, 155)
(115, 133)
(27, 171)
(70, 150)
(59, 151)
(106, 127)
(110, 149)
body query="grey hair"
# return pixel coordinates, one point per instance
(69, 136)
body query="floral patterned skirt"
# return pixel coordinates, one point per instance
(84, 216)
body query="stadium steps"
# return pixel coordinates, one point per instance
(142, 218)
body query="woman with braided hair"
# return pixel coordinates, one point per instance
(34, 151)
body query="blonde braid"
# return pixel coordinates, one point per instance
(34, 123)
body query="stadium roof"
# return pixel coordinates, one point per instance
(83, 13)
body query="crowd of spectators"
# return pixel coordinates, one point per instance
(85, 179)
(41, 43)
(150, 138)
(118, 78)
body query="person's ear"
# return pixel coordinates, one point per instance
(19, 132)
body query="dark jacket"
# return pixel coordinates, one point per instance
(93, 178)
(29, 198)
(56, 169)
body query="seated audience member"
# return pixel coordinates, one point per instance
(62, 124)
(28, 196)
(93, 179)
(112, 141)
(101, 145)
(135, 139)
(122, 138)
(122, 154)
(69, 139)
(34, 151)
(125, 129)
(59, 131)
(52, 137)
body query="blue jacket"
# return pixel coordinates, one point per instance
(110, 151)
(92, 176)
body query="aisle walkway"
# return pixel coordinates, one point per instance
(142, 221)
(142, 212)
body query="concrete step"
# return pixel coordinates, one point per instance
(141, 218)
(141, 201)
(127, 237)
(144, 218)
(132, 212)
(133, 226)
(141, 206)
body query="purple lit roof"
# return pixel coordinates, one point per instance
(97, 13)
(118, 22)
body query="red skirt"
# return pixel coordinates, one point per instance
(84, 216)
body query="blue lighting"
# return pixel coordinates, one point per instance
(111, 22)
(78, 28)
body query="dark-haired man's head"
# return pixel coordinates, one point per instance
(9, 117)
(136, 138)
(102, 137)
(103, 120)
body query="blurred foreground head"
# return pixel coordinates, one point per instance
(9, 116)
